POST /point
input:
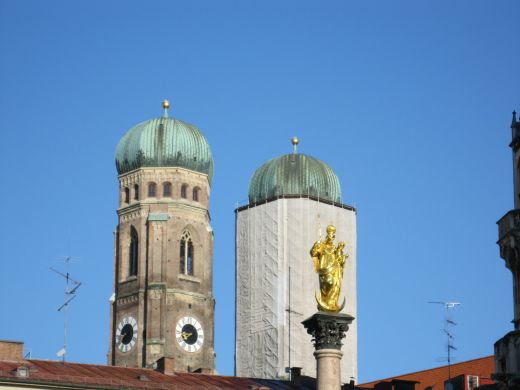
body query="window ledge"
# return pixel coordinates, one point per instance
(189, 278)
(129, 279)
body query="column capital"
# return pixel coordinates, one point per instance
(327, 329)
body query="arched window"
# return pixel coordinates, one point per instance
(136, 191)
(186, 254)
(152, 189)
(134, 252)
(195, 195)
(167, 189)
(184, 190)
(127, 195)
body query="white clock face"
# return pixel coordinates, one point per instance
(189, 334)
(126, 334)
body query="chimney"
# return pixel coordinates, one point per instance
(11, 350)
(166, 365)
(296, 376)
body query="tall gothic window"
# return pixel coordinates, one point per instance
(134, 252)
(184, 190)
(186, 254)
(136, 191)
(195, 195)
(167, 189)
(152, 189)
(127, 195)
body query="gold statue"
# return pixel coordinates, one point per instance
(328, 263)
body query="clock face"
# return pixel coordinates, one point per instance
(126, 334)
(189, 334)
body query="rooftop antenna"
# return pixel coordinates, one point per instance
(71, 287)
(448, 323)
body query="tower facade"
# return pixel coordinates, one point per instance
(292, 199)
(507, 349)
(163, 305)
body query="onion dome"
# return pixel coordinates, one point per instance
(294, 174)
(164, 142)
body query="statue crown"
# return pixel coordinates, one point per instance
(331, 229)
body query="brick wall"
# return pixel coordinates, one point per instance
(11, 350)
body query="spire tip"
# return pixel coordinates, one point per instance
(165, 106)
(295, 141)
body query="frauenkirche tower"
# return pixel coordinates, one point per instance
(163, 305)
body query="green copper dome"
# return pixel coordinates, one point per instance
(164, 142)
(294, 174)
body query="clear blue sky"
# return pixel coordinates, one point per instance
(409, 102)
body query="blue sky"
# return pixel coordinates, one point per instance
(408, 101)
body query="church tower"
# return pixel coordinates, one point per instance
(163, 305)
(507, 349)
(292, 198)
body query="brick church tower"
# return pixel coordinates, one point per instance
(163, 305)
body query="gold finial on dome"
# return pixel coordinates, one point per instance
(295, 141)
(165, 106)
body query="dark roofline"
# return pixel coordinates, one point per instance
(272, 199)
(396, 380)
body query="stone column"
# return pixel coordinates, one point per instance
(327, 330)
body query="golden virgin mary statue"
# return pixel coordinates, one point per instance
(329, 262)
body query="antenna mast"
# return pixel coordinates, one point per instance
(71, 287)
(448, 323)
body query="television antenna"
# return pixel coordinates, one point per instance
(71, 287)
(448, 324)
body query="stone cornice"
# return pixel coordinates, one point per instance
(127, 299)
(315, 198)
(166, 172)
(142, 208)
(176, 291)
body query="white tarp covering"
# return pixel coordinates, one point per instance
(272, 239)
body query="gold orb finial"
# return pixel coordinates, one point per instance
(295, 141)
(165, 106)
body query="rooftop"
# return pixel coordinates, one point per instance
(66, 375)
(435, 377)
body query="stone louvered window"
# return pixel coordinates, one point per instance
(167, 189)
(186, 254)
(152, 190)
(184, 191)
(196, 194)
(134, 252)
